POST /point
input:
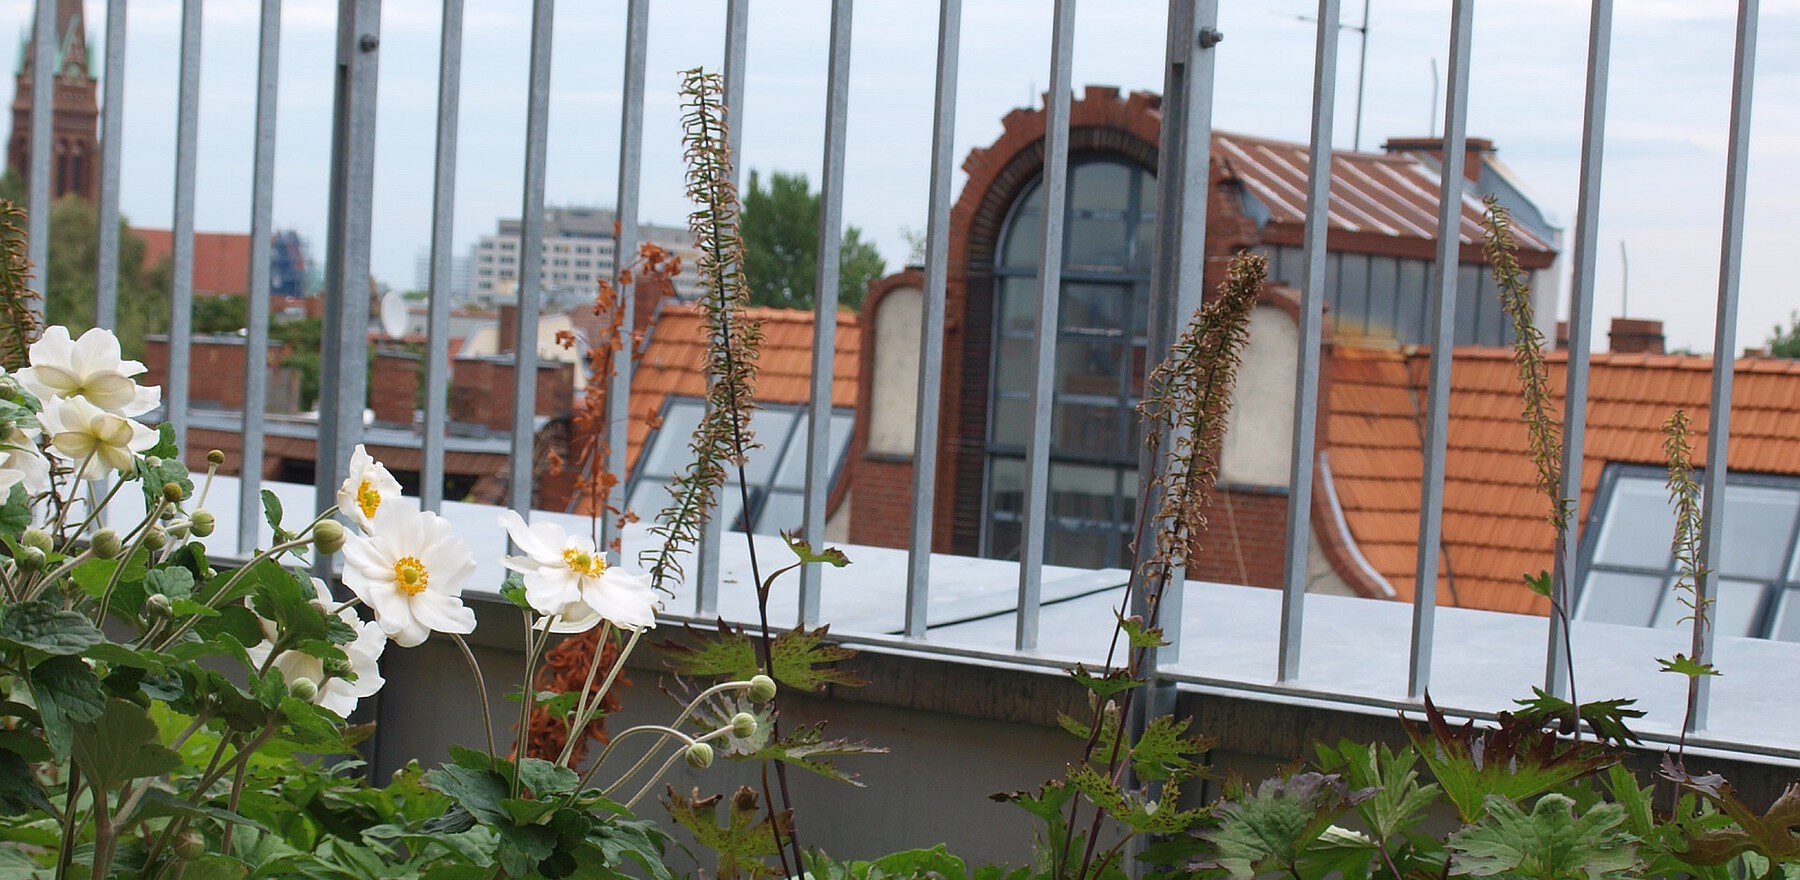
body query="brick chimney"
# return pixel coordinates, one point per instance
(394, 386)
(481, 390)
(509, 328)
(1434, 147)
(1636, 336)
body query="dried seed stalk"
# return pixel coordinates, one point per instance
(19, 323)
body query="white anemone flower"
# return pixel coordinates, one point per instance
(84, 433)
(365, 488)
(410, 570)
(22, 464)
(90, 368)
(562, 570)
(336, 695)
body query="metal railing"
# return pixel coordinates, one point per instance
(1182, 175)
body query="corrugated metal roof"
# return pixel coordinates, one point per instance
(1391, 194)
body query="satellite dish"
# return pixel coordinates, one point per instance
(393, 314)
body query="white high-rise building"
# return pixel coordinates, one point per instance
(577, 253)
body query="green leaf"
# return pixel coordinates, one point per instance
(808, 749)
(481, 792)
(1518, 760)
(1106, 686)
(1162, 816)
(15, 514)
(1549, 843)
(1688, 666)
(1606, 717)
(1277, 825)
(43, 626)
(742, 841)
(1773, 834)
(20, 792)
(1164, 751)
(172, 581)
(271, 505)
(801, 657)
(168, 469)
(1139, 634)
(67, 693)
(121, 745)
(831, 556)
(1540, 584)
(545, 779)
(1398, 801)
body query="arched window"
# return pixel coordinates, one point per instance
(1109, 234)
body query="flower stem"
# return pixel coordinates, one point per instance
(487, 715)
(582, 719)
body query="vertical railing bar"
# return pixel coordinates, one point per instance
(1443, 311)
(43, 97)
(531, 258)
(931, 339)
(631, 163)
(1035, 526)
(443, 223)
(181, 256)
(112, 139)
(1177, 287)
(343, 372)
(825, 301)
(737, 31)
(1312, 320)
(1718, 419)
(256, 313)
(1581, 322)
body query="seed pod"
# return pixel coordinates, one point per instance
(743, 724)
(216, 457)
(328, 536)
(762, 689)
(38, 538)
(203, 523)
(30, 559)
(156, 538)
(157, 605)
(106, 544)
(172, 492)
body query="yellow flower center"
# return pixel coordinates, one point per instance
(410, 575)
(368, 498)
(584, 563)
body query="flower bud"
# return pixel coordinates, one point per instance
(157, 605)
(762, 689)
(106, 544)
(30, 559)
(338, 667)
(189, 846)
(303, 689)
(699, 756)
(215, 457)
(202, 523)
(38, 538)
(172, 492)
(328, 536)
(156, 538)
(743, 724)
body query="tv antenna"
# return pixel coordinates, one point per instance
(1362, 66)
(1624, 282)
(1433, 125)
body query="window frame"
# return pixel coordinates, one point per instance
(1777, 592)
(760, 492)
(1132, 280)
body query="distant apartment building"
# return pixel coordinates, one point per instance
(577, 253)
(461, 274)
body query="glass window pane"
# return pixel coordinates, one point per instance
(1353, 291)
(1013, 365)
(781, 511)
(1080, 548)
(1024, 231)
(1096, 240)
(669, 452)
(1616, 597)
(1083, 493)
(1088, 366)
(792, 474)
(1097, 309)
(1018, 304)
(648, 498)
(1734, 612)
(1100, 186)
(1003, 539)
(1384, 290)
(1087, 429)
(1637, 525)
(1787, 620)
(1409, 328)
(1759, 521)
(1006, 485)
(770, 428)
(1012, 421)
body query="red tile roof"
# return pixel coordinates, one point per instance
(221, 259)
(674, 360)
(1495, 527)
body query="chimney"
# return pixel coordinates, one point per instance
(1636, 336)
(1474, 149)
(509, 328)
(481, 390)
(1562, 335)
(394, 386)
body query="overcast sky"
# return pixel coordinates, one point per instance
(1664, 162)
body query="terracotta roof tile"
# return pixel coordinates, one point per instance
(1494, 522)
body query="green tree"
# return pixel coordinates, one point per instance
(74, 266)
(1785, 341)
(781, 245)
